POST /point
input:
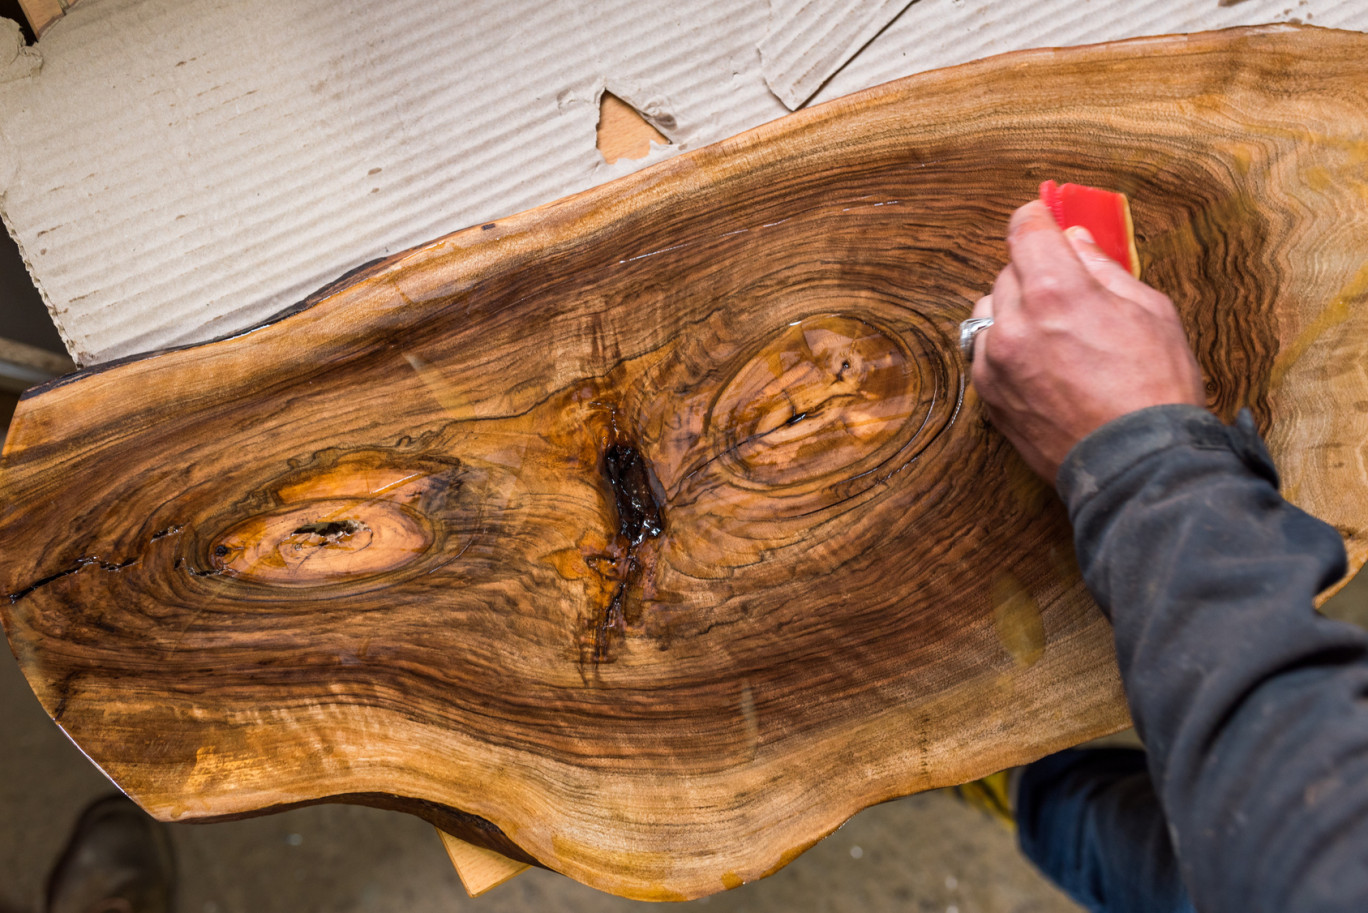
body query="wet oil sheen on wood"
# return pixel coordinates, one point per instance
(651, 534)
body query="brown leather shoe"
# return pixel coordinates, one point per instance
(117, 861)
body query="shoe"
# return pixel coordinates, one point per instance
(117, 861)
(992, 794)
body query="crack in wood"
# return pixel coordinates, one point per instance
(330, 529)
(640, 516)
(76, 567)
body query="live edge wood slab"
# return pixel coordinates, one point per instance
(651, 534)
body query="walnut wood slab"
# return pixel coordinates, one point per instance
(652, 533)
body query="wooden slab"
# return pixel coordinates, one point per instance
(652, 533)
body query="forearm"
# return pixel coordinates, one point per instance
(1252, 706)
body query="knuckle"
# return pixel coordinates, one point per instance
(1006, 343)
(1047, 288)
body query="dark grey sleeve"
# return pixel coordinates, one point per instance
(1253, 707)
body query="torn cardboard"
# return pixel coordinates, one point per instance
(177, 170)
(809, 40)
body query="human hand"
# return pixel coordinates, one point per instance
(1076, 341)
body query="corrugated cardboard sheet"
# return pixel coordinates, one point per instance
(809, 40)
(176, 170)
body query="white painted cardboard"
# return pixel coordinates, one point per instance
(176, 170)
(809, 40)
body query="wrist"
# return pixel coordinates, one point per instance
(1111, 450)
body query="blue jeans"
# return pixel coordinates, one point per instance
(1089, 819)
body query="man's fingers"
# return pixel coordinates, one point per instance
(980, 371)
(1114, 277)
(982, 308)
(1049, 272)
(1006, 294)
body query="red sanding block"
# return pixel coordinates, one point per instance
(1103, 213)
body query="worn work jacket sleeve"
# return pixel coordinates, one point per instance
(1253, 707)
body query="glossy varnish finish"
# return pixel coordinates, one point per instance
(651, 534)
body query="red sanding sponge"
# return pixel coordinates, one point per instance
(1103, 213)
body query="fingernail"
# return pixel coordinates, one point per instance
(1079, 233)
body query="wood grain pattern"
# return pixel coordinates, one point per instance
(651, 534)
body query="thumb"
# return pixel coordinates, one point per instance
(1111, 275)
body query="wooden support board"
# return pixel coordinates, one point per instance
(651, 534)
(480, 869)
(42, 13)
